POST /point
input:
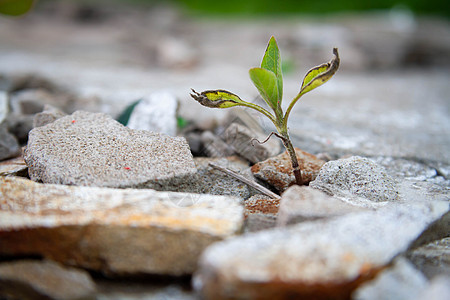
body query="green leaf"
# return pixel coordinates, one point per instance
(217, 98)
(320, 74)
(15, 7)
(125, 115)
(272, 62)
(266, 83)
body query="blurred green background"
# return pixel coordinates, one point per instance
(264, 7)
(441, 7)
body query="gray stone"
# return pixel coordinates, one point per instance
(258, 221)
(9, 146)
(215, 182)
(94, 150)
(400, 282)
(277, 170)
(313, 259)
(355, 178)
(156, 112)
(4, 105)
(301, 204)
(114, 231)
(20, 125)
(32, 100)
(47, 116)
(32, 279)
(432, 259)
(213, 146)
(241, 138)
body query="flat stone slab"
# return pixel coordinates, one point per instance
(313, 260)
(92, 149)
(113, 230)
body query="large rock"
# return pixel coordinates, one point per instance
(30, 279)
(355, 179)
(92, 149)
(113, 230)
(319, 260)
(277, 171)
(157, 112)
(301, 204)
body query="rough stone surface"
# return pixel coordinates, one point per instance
(301, 204)
(402, 281)
(215, 182)
(320, 260)
(8, 144)
(30, 279)
(156, 112)
(240, 137)
(277, 171)
(432, 259)
(260, 213)
(92, 149)
(213, 146)
(113, 230)
(14, 166)
(47, 116)
(355, 177)
(262, 204)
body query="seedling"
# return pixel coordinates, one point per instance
(268, 80)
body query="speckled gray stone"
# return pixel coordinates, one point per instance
(355, 179)
(92, 149)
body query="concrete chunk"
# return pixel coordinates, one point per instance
(92, 149)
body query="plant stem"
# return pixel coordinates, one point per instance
(295, 166)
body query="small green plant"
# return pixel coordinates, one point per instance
(268, 80)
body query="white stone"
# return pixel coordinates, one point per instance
(156, 112)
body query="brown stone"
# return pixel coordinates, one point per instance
(119, 231)
(277, 171)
